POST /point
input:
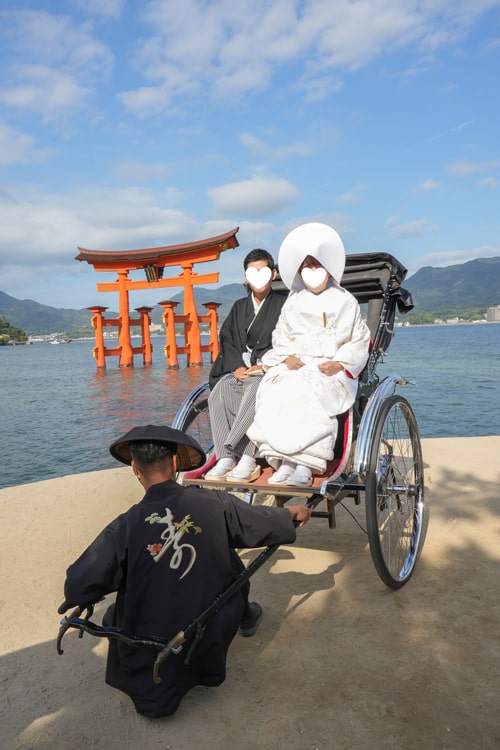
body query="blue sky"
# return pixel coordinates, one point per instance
(138, 124)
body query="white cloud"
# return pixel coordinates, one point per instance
(427, 186)
(42, 38)
(141, 172)
(493, 45)
(490, 182)
(348, 198)
(19, 148)
(144, 100)
(51, 226)
(45, 91)
(268, 151)
(230, 48)
(61, 64)
(47, 229)
(318, 87)
(107, 9)
(226, 49)
(465, 168)
(473, 167)
(223, 48)
(351, 196)
(453, 131)
(259, 196)
(409, 229)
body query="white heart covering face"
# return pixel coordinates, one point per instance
(258, 278)
(313, 277)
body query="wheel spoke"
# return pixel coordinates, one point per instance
(396, 512)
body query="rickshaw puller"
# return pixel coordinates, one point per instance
(168, 557)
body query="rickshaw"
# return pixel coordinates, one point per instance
(378, 454)
(377, 457)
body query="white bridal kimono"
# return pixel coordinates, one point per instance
(296, 409)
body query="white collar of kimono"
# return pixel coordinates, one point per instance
(318, 240)
(256, 304)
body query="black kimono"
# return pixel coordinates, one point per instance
(169, 557)
(235, 336)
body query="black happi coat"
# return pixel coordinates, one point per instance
(169, 557)
(235, 335)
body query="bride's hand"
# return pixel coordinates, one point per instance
(293, 362)
(330, 368)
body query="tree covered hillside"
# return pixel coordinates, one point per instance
(454, 289)
(43, 319)
(10, 333)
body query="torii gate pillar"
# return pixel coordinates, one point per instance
(124, 342)
(147, 349)
(192, 327)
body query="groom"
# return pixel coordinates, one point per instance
(245, 336)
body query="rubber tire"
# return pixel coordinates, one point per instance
(395, 519)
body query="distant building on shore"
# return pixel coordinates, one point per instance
(493, 314)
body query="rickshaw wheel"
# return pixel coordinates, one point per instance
(394, 492)
(197, 424)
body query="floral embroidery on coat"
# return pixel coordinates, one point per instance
(172, 536)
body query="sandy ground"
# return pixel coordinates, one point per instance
(339, 661)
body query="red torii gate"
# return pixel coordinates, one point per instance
(153, 260)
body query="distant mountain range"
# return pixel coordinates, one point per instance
(37, 319)
(475, 284)
(440, 291)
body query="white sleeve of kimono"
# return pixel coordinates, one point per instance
(353, 354)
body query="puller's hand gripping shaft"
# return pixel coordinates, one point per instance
(66, 623)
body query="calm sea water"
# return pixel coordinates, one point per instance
(59, 413)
